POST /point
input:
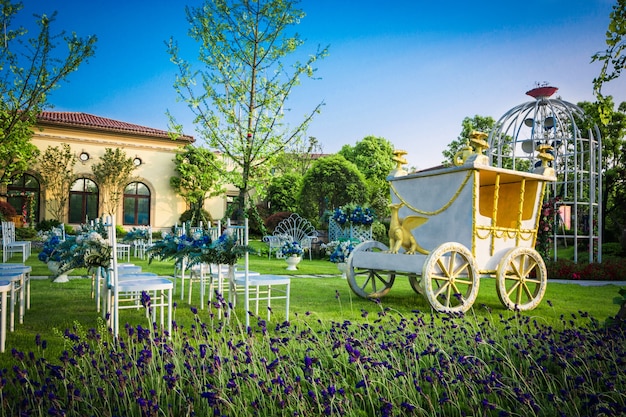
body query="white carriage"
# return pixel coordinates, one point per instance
(452, 226)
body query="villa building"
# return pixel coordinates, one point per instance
(148, 198)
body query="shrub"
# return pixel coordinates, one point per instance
(46, 225)
(272, 221)
(6, 210)
(610, 269)
(120, 231)
(612, 249)
(25, 233)
(379, 232)
(203, 216)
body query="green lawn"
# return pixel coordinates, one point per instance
(56, 307)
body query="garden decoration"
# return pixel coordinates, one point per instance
(294, 228)
(351, 222)
(89, 249)
(292, 251)
(339, 251)
(451, 226)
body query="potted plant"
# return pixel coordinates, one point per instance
(292, 251)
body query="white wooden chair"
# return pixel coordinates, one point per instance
(11, 246)
(265, 288)
(16, 294)
(141, 245)
(123, 251)
(126, 292)
(5, 288)
(25, 270)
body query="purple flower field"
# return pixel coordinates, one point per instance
(391, 365)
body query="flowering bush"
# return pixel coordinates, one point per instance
(610, 269)
(545, 230)
(406, 365)
(290, 248)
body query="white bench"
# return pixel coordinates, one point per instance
(295, 229)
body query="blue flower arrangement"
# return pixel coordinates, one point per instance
(50, 250)
(178, 247)
(291, 249)
(362, 216)
(356, 215)
(340, 216)
(198, 247)
(136, 234)
(342, 250)
(88, 249)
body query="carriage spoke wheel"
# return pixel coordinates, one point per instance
(416, 283)
(450, 278)
(369, 283)
(521, 279)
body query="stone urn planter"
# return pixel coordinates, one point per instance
(53, 266)
(343, 267)
(292, 262)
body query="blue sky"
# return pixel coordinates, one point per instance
(409, 71)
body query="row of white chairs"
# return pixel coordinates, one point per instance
(14, 292)
(131, 288)
(14, 281)
(10, 246)
(256, 289)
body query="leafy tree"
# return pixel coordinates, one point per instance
(112, 174)
(282, 193)
(197, 179)
(298, 158)
(373, 157)
(469, 124)
(56, 169)
(331, 182)
(244, 85)
(612, 131)
(30, 68)
(613, 59)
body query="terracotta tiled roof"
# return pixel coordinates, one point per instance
(102, 123)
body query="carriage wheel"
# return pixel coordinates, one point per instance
(450, 278)
(369, 283)
(416, 283)
(521, 279)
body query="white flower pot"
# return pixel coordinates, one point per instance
(292, 261)
(53, 266)
(343, 267)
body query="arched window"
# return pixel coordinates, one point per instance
(23, 195)
(83, 201)
(137, 204)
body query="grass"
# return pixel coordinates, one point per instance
(58, 306)
(338, 355)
